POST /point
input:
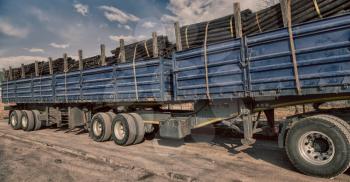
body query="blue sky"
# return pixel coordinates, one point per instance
(36, 29)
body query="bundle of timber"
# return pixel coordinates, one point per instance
(268, 19)
(217, 30)
(92, 62)
(143, 50)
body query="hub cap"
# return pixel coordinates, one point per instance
(97, 128)
(119, 130)
(316, 148)
(24, 122)
(13, 120)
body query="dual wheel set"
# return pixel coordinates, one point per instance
(26, 120)
(124, 129)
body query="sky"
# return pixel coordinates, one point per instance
(37, 29)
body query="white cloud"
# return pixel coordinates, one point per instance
(114, 14)
(60, 46)
(34, 50)
(8, 29)
(192, 11)
(149, 24)
(127, 27)
(16, 61)
(127, 38)
(82, 9)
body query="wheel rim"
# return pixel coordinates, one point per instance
(316, 148)
(119, 130)
(97, 128)
(13, 120)
(24, 122)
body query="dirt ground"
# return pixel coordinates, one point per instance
(57, 155)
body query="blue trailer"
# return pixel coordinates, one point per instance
(227, 82)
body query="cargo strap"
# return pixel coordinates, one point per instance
(145, 44)
(134, 70)
(293, 53)
(257, 21)
(231, 27)
(206, 61)
(186, 36)
(65, 85)
(317, 9)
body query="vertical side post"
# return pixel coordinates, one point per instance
(23, 73)
(80, 55)
(287, 18)
(4, 72)
(122, 50)
(178, 36)
(238, 20)
(65, 63)
(103, 55)
(285, 11)
(50, 66)
(36, 68)
(10, 73)
(155, 45)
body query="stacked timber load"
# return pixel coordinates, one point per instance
(92, 62)
(143, 49)
(268, 19)
(218, 30)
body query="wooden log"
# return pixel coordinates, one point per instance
(50, 66)
(238, 20)
(10, 73)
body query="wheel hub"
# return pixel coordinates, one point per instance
(119, 130)
(13, 121)
(97, 128)
(316, 148)
(24, 122)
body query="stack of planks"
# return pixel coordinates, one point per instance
(144, 50)
(268, 19)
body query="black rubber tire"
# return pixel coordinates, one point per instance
(38, 123)
(106, 125)
(17, 116)
(335, 130)
(129, 129)
(140, 128)
(30, 119)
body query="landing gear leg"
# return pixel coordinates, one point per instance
(247, 128)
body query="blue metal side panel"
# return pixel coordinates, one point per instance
(225, 74)
(323, 57)
(97, 85)
(103, 84)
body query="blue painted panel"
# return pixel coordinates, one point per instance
(103, 84)
(225, 74)
(323, 57)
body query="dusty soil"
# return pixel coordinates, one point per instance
(57, 155)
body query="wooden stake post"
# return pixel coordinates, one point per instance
(36, 68)
(103, 55)
(81, 64)
(122, 51)
(238, 20)
(178, 36)
(155, 45)
(50, 66)
(65, 63)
